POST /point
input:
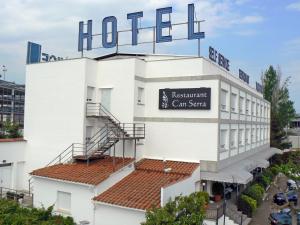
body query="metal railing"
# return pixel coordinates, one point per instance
(98, 110)
(23, 197)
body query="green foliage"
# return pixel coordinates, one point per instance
(247, 205)
(10, 130)
(282, 108)
(264, 180)
(12, 214)
(256, 192)
(184, 210)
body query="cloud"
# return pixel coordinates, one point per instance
(294, 6)
(54, 24)
(292, 47)
(251, 19)
(246, 33)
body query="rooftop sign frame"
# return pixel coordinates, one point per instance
(158, 36)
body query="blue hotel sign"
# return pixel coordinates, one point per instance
(111, 22)
(35, 54)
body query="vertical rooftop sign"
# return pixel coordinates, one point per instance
(110, 35)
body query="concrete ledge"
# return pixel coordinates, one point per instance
(4, 140)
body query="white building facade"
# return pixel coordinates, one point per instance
(229, 138)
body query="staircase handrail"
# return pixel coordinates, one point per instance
(108, 113)
(103, 140)
(103, 109)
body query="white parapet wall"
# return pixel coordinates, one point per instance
(12, 160)
(184, 187)
(295, 140)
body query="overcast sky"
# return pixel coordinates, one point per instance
(253, 34)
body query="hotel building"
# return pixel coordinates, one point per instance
(128, 131)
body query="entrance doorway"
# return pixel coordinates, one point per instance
(106, 97)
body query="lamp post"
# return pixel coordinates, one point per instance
(4, 70)
(224, 203)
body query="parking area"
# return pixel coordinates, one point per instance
(262, 214)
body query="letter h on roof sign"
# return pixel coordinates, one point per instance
(87, 35)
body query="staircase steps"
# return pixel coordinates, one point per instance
(235, 215)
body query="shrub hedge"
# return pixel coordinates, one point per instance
(247, 205)
(12, 214)
(256, 192)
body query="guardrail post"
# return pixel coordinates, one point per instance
(72, 151)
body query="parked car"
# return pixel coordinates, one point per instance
(292, 196)
(281, 218)
(292, 185)
(280, 199)
(298, 218)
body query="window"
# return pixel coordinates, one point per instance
(257, 134)
(253, 108)
(90, 94)
(247, 140)
(241, 105)
(233, 143)
(241, 137)
(140, 95)
(253, 135)
(64, 201)
(248, 107)
(257, 109)
(223, 140)
(224, 100)
(233, 103)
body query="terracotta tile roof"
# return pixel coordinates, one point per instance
(142, 188)
(94, 173)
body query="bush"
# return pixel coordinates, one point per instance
(11, 130)
(12, 214)
(256, 192)
(247, 205)
(264, 181)
(268, 173)
(184, 210)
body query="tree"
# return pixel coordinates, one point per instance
(11, 130)
(184, 210)
(282, 108)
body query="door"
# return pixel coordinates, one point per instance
(5, 176)
(88, 134)
(106, 97)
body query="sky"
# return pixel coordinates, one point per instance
(252, 34)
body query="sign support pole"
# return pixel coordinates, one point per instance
(154, 34)
(199, 40)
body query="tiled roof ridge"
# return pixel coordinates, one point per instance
(160, 171)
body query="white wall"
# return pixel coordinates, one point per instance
(14, 153)
(295, 141)
(45, 194)
(184, 187)
(114, 215)
(119, 75)
(181, 141)
(54, 109)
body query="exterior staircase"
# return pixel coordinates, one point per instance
(103, 141)
(235, 215)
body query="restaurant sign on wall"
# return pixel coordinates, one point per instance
(185, 99)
